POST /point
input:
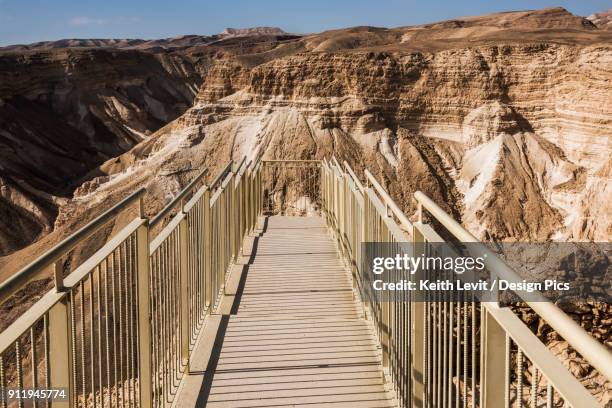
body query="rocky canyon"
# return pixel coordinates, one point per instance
(505, 120)
(68, 106)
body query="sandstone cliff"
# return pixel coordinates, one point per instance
(64, 112)
(505, 119)
(513, 132)
(67, 106)
(602, 20)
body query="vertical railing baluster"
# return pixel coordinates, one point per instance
(144, 317)
(418, 332)
(208, 265)
(534, 386)
(61, 351)
(493, 349)
(3, 397)
(184, 291)
(34, 364)
(519, 373)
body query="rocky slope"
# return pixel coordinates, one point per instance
(602, 20)
(505, 120)
(67, 106)
(514, 133)
(63, 112)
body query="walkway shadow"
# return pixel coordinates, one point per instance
(264, 228)
(212, 363)
(211, 367)
(243, 277)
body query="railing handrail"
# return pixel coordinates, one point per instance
(541, 356)
(239, 165)
(592, 350)
(177, 199)
(221, 176)
(29, 318)
(224, 183)
(258, 165)
(388, 216)
(388, 201)
(193, 253)
(354, 176)
(29, 272)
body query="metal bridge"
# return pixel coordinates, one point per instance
(249, 292)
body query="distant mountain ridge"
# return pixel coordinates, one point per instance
(603, 20)
(253, 31)
(548, 18)
(122, 43)
(182, 41)
(366, 86)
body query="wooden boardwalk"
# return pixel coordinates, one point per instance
(292, 334)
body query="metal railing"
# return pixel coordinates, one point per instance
(291, 187)
(119, 329)
(450, 354)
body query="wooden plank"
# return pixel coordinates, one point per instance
(295, 334)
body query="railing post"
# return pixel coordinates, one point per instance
(365, 238)
(237, 217)
(418, 332)
(244, 207)
(385, 322)
(221, 240)
(145, 369)
(254, 187)
(250, 202)
(232, 221)
(492, 359)
(60, 351)
(237, 202)
(183, 290)
(208, 266)
(58, 275)
(259, 192)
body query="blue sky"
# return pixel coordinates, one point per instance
(25, 21)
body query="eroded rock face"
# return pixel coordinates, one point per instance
(67, 106)
(504, 120)
(512, 142)
(602, 20)
(66, 111)
(491, 162)
(505, 127)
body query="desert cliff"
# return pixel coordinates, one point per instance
(505, 120)
(68, 106)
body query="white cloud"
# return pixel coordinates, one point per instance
(79, 21)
